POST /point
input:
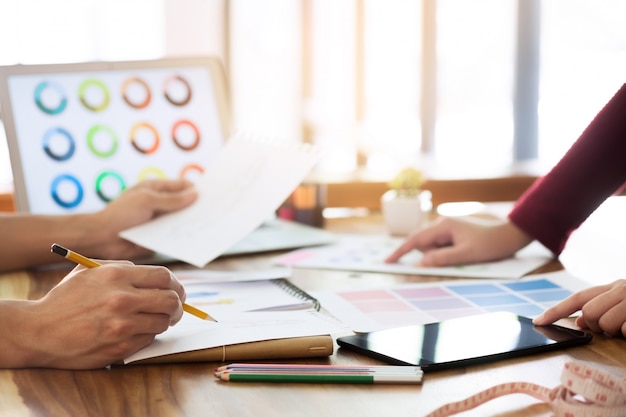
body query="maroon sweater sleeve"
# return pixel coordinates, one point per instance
(592, 170)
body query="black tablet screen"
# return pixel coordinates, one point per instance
(463, 341)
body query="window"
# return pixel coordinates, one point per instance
(475, 71)
(583, 63)
(352, 75)
(581, 58)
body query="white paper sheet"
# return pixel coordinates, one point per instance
(238, 191)
(366, 253)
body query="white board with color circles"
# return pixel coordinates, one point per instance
(79, 134)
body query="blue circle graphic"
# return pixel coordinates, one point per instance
(47, 146)
(64, 179)
(41, 87)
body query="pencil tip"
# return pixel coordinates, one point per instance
(58, 249)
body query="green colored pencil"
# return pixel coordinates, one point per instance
(321, 378)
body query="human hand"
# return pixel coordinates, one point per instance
(463, 240)
(98, 316)
(603, 309)
(136, 205)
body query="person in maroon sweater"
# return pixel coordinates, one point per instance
(592, 170)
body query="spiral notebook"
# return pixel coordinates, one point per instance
(223, 299)
(261, 319)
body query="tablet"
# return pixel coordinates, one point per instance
(463, 341)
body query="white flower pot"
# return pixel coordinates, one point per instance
(404, 215)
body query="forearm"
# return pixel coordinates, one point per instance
(26, 239)
(592, 170)
(512, 239)
(14, 335)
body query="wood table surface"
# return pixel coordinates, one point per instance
(191, 389)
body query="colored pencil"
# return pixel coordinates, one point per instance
(316, 368)
(321, 378)
(346, 374)
(90, 263)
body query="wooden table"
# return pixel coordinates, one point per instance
(191, 390)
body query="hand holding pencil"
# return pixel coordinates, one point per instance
(99, 316)
(90, 263)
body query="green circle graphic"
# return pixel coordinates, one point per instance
(92, 147)
(93, 83)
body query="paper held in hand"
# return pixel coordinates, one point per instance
(239, 190)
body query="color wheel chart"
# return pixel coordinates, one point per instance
(379, 308)
(85, 137)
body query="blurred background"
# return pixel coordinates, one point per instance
(459, 88)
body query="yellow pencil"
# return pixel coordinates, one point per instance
(90, 263)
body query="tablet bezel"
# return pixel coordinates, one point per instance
(562, 337)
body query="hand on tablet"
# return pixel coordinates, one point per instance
(603, 309)
(462, 341)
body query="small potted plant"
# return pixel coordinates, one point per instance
(405, 205)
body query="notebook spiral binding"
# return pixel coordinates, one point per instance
(293, 289)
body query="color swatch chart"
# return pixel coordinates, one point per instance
(85, 137)
(379, 308)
